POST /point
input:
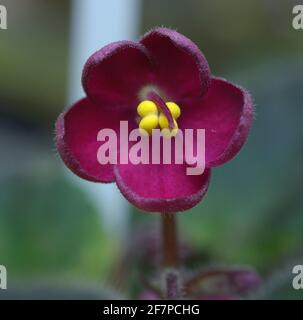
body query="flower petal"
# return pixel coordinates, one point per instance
(161, 188)
(226, 114)
(115, 74)
(181, 68)
(76, 139)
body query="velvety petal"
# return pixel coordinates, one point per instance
(226, 114)
(161, 188)
(115, 74)
(181, 68)
(76, 139)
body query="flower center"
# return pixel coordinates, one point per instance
(155, 113)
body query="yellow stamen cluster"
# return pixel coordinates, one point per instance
(151, 118)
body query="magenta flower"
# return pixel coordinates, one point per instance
(163, 66)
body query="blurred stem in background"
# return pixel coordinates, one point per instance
(90, 32)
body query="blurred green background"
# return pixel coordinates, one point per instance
(51, 232)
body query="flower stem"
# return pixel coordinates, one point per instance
(169, 240)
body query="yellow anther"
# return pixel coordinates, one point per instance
(151, 119)
(148, 123)
(146, 107)
(167, 132)
(174, 109)
(163, 121)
